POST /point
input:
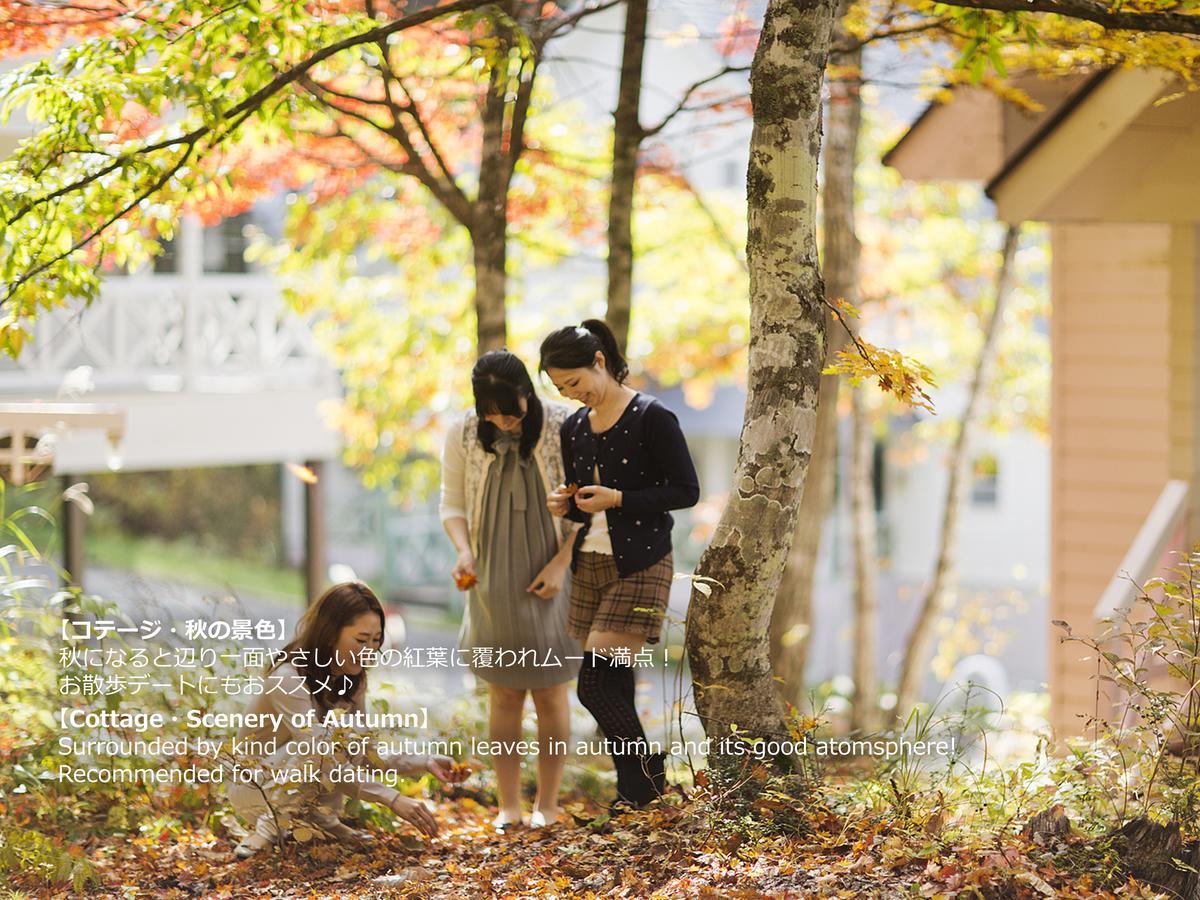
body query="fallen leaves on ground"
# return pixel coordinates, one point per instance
(673, 849)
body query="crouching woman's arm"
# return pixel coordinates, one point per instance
(412, 765)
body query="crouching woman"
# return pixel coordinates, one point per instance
(307, 777)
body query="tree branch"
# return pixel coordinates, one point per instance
(458, 206)
(520, 113)
(880, 34)
(311, 85)
(368, 155)
(318, 92)
(413, 111)
(1093, 11)
(574, 18)
(166, 176)
(682, 106)
(256, 100)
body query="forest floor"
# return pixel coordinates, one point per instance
(676, 848)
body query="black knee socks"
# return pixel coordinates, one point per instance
(606, 689)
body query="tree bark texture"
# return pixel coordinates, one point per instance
(793, 618)
(728, 636)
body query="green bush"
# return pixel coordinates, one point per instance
(27, 853)
(1143, 757)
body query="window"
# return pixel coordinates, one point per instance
(167, 262)
(878, 474)
(984, 477)
(225, 246)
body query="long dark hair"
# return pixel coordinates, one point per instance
(575, 348)
(499, 381)
(311, 650)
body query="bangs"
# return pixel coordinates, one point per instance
(495, 398)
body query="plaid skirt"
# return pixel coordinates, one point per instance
(601, 600)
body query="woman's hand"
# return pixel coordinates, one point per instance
(559, 501)
(596, 498)
(416, 813)
(443, 769)
(464, 569)
(548, 582)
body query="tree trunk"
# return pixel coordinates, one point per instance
(866, 566)
(940, 594)
(792, 621)
(842, 254)
(489, 227)
(1157, 855)
(1048, 825)
(792, 617)
(728, 630)
(627, 141)
(490, 252)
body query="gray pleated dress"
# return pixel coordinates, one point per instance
(516, 539)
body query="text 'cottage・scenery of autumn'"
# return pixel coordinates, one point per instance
(599, 448)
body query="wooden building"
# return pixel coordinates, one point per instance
(1112, 165)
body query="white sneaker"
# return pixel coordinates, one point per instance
(251, 844)
(538, 819)
(503, 821)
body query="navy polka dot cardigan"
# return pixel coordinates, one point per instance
(643, 455)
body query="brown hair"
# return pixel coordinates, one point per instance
(311, 650)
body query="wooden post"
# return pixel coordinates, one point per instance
(72, 525)
(314, 534)
(190, 265)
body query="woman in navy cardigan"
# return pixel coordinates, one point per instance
(628, 464)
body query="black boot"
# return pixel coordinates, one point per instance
(640, 778)
(656, 765)
(606, 689)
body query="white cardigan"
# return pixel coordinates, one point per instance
(465, 464)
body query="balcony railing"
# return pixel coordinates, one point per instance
(173, 333)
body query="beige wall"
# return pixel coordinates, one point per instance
(1184, 462)
(1122, 414)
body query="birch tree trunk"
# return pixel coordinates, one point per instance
(792, 618)
(942, 586)
(792, 621)
(627, 141)
(728, 630)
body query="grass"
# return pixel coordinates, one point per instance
(183, 561)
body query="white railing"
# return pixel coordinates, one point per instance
(1145, 555)
(169, 332)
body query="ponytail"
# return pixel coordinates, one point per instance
(576, 348)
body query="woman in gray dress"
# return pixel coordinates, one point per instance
(499, 464)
